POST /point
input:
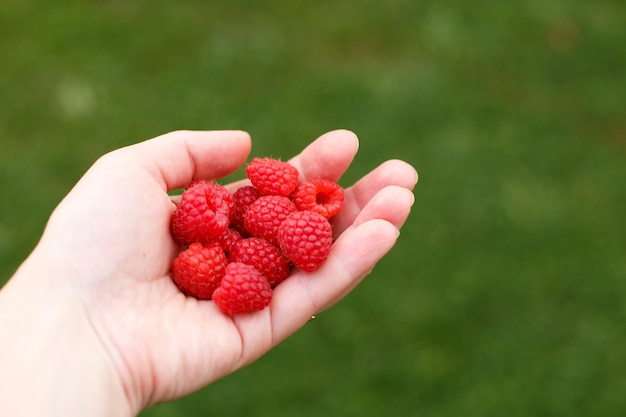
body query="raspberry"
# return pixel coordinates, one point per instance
(205, 211)
(263, 256)
(241, 245)
(228, 239)
(321, 195)
(266, 214)
(243, 197)
(198, 270)
(305, 237)
(243, 289)
(272, 176)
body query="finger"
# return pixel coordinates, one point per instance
(329, 156)
(296, 299)
(392, 172)
(392, 203)
(177, 158)
(354, 255)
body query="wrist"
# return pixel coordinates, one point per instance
(52, 359)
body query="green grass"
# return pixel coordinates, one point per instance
(505, 294)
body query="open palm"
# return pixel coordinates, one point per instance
(115, 225)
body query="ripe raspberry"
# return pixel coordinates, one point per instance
(243, 197)
(321, 195)
(263, 256)
(305, 238)
(243, 289)
(228, 239)
(198, 270)
(272, 177)
(205, 211)
(266, 214)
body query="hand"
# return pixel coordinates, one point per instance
(104, 258)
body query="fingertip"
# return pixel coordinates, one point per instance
(392, 203)
(329, 156)
(348, 134)
(411, 197)
(405, 173)
(241, 134)
(383, 229)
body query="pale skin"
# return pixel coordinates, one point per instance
(92, 325)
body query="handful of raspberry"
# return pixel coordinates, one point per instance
(236, 247)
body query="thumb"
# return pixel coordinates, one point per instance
(177, 158)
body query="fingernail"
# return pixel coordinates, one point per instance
(412, 197)
(356, 142)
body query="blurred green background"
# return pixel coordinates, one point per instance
(506, 292)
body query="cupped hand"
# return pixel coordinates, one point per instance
(110, 237)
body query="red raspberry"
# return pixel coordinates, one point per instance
(242, 290)
(205, 211)
(272, 177)
(228, 239)
(198, 270)
(266, 214)
(305, 238)
(321, 195)
(243, 197)
(263, 256)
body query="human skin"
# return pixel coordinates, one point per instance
(91, 323)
